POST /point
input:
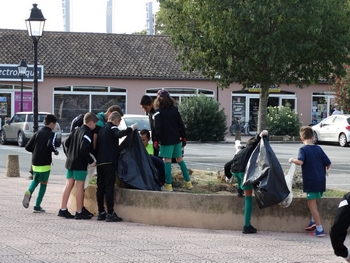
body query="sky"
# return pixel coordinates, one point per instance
(86, 15)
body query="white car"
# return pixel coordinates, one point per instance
(335, 128)
(129, 119)
(20, 128)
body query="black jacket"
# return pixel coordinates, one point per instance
(108, 143)
(240, 160)
(78, 146)
(151, 122)
(42, 144)
(169, 126)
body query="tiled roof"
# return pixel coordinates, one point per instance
(96, 54)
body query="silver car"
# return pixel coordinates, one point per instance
(335, 128)
(20, 128)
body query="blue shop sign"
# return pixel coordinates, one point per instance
(9, 72)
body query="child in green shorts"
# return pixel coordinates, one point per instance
(314, 164)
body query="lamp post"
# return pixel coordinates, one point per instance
(22, 68)
(35, 26)
(217, 87)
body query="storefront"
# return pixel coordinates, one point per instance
(322, 105)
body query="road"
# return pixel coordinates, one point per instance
(212, 157)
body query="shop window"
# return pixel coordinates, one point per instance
(319, 109)
(102, 103)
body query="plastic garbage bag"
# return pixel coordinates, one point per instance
(135, 166)
(289, 180)
(265, 173)
(91, 171)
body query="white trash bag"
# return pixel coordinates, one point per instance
(91, 171)
(289, 180)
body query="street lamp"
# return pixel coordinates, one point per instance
(22, 68)
(217, 87)
(35, 26)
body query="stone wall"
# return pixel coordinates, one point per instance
(209, 211)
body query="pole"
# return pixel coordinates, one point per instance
(21, 92)
(35, 96)
(217, 93)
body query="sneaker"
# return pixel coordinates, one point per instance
(311, 226)
(65, 214)
(82, 215)
(317, 233)
(87, 211)
(26, 198)
(101, 216)
(38, 209)
(249, 229)
(188, 185)
(240, 192)
(167, 188)
(113, 218)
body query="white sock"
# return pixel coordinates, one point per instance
(319, 228)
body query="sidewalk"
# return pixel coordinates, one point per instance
(29, 237)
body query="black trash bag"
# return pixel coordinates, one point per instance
(135, 166)
(265, 173)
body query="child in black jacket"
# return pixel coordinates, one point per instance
(41, 144)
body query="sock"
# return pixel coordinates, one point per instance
(312, 219)
(319, 228)
(33, 185)
(248, 207)
(184, 171)
(168, 176)
(41, 193)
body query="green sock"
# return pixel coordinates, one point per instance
(168, 176)
(41, 193)
(184, 171)
(248, 207)
(33, 185)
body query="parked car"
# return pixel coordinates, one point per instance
(20, 128)
(141, 120)
(335, 128)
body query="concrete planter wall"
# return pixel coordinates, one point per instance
(212, 211)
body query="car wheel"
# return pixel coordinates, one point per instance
(315, 138)
(3, 138)
(342, 140)
(21, 139)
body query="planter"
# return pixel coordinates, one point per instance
(284, 138)
(209, 211)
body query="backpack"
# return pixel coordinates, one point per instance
(76, 122)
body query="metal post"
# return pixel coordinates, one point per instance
(217, 92)
(35, 111)
(21, 92)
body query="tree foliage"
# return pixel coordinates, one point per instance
(341, 87)
(203, 119)
(260, 42)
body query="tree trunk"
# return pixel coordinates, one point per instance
(264, 95)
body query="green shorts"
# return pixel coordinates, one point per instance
(41, 176)
(170, 151)
(240, 177)
(313, 195)
(79, 175)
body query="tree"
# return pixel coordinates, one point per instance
(142, 32)
(160, 20)
(341, 87)
(260, 43)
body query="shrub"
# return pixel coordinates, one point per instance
(282, 120)
(203, 119)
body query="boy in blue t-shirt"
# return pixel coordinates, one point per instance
(314, 165)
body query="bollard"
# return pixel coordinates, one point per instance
(12, 166)
(238, 135)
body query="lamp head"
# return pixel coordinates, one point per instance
(22, 67)
(35, 23)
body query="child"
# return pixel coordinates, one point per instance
(340, 227)
(239, 163)
(170, 135)
(107, 165)
(147, 105)
(41, 144)
(79, 147)
(157, 162)
(314, 163)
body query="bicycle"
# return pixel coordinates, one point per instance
(244, 127)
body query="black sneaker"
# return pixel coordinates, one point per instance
(82, 215)
(101, 216)
(240, 192)
(87, 212)
(26, 198)
(113, 218)
(65, 214)
(249, 229)
(38, 209)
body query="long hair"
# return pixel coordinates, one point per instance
(164, 102)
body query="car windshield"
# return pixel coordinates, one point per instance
(142, 123)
